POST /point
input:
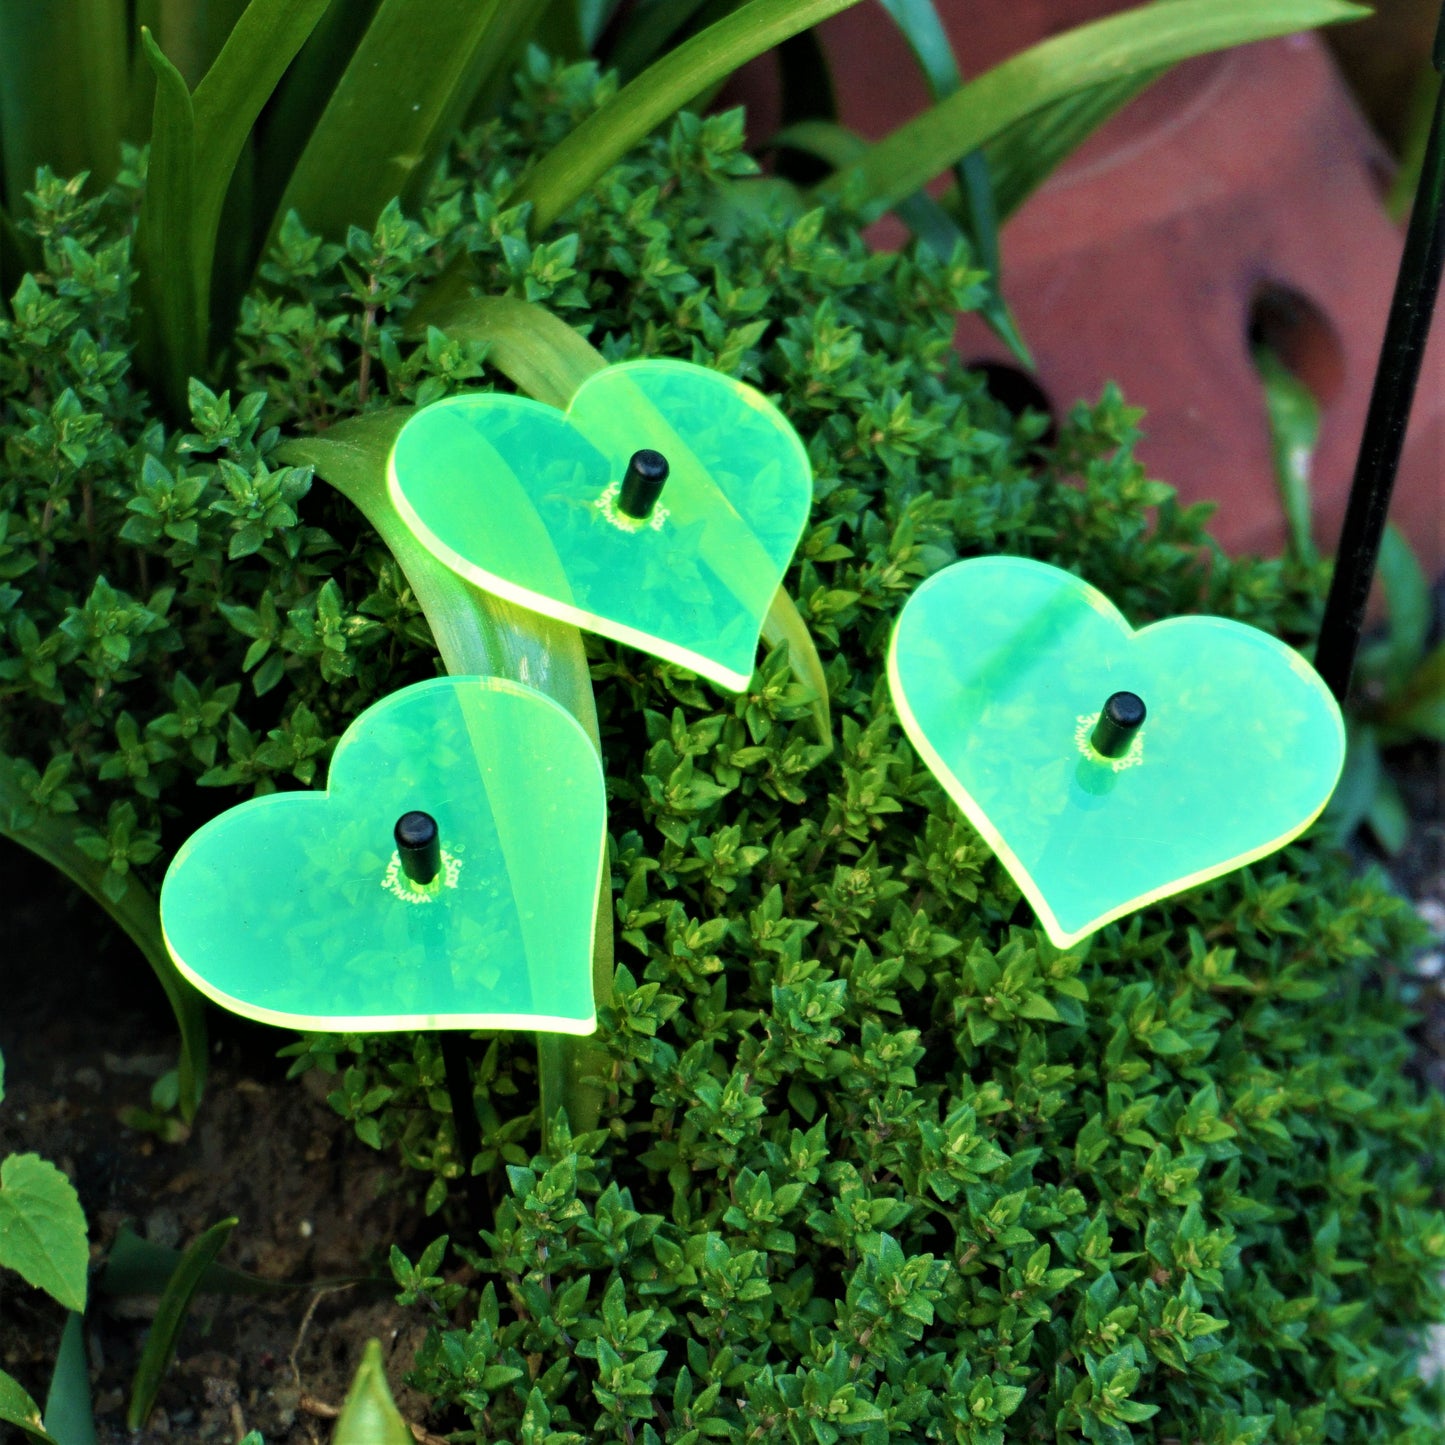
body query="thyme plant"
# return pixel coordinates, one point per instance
(876, 1161)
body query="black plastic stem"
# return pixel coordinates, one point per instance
(1384, 436)
(464, 1121)
(1122, 716)
(642, 485)
(418, 846)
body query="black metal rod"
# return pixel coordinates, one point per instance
(1401, 353)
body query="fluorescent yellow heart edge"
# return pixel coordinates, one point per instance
(381, 1023)
(1058, 935)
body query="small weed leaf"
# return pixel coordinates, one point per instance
(42, 1229)
(18, 1409)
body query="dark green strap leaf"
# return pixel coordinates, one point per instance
(62, 89)
(567, 171)
(1025, 155)
(648, 28)
(228, 100)
(1294, 427)
(540, 352)
(173, 316)
(136, 1266)
(478, 633)
(784, 623)
(921, 27)
(548, 360)
(160, 1345)
(839, 147)
(474, 631)
(68, 1413)
(407, 86)
(1113, 49)
(135, 910)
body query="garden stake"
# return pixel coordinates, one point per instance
(997, 666)
(559, 511)
(1398, 372)
(418, 847)
(355, 911)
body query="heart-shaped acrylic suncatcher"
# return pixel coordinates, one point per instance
(294, 908)
(999, 668)
(521, 499)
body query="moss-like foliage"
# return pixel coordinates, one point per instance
(879, 1163)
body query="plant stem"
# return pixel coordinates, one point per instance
(1389, 414)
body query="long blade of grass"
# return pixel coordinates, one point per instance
(228, 101)
(302, 97)
(1409, 603)
(478, 633)
(1417, 136)
(920, 26)
(925, 218)
(538, 350)
(173, 313)
(62, 89)
(136, 1266)
(160, 1345)
(1294, 431)
(1112, 49)
(191, 32)
(17, 254)
(1025, 155)
(51, 838)
(649, 26)
(474, 631)
(408, 84)
(784, 623)
(565, 173)
(1419, 707)
(593, 17)
(928, 220)
(68, 1413)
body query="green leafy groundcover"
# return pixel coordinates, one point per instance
(879, 1163)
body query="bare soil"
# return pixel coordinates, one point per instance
(84, 1032)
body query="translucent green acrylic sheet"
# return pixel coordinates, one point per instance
(999, 669)
(521, 499)
(294, 909)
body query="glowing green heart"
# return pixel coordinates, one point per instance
(522, 499)
(294, 908)
(999, 669)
